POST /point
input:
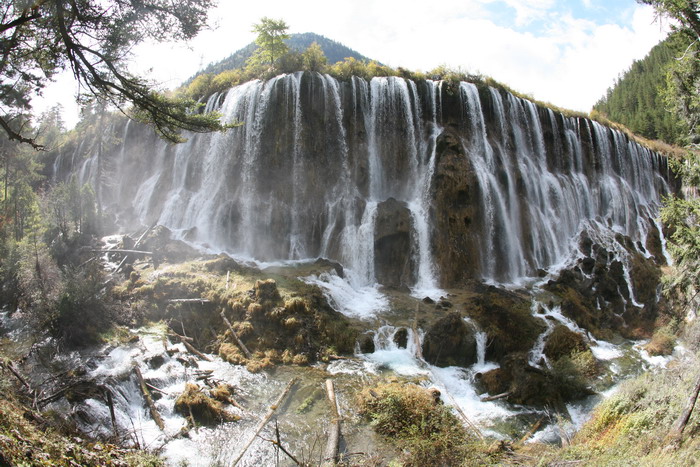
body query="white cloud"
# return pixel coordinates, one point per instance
(569, 61)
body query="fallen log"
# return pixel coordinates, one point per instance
(131, 252)
(416, 338)
(201, 301)
(339, 357)
(149, 400)
(496, 397)
(676, 431)
(235, 336)
(330, 455)
(112, 416)
(264, 421)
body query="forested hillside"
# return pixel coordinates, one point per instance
(334, 51)
(637, 98)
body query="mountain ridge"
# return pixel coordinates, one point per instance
(298, 42)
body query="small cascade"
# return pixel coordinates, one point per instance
(602, 350)
(394, 349)
(481, 339)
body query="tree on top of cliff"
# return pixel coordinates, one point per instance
(271, 46)
(94, 38)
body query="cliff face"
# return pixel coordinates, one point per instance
(411, 184)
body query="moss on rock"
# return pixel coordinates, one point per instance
(506, 319)
(563, 342)
(202, 408)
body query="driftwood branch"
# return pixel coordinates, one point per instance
(149, 400)
(235, 336)
(190, 348)
(264, 421)
(676, 432)
(531, 432)
(19, 377)
(331, 453)
(153, 388)
(135, 246)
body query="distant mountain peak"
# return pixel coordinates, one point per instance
(334, 51)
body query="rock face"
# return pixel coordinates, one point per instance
(450, 341)
(613, 289)
(394, 258)
(457, 211)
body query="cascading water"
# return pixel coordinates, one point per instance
(318, 164)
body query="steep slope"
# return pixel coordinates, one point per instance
(636, 99)
(335, 52)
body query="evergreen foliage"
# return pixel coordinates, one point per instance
(94, 39)
(682, 215)
(637, 100)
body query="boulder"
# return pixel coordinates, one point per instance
(562, 342)
(506, 318)
(401, 337)
(450, 342)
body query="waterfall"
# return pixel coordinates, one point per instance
(317, 163)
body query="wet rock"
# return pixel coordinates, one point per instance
(494, 382)
(156, 361)
(450, 342)
(159, 240)
(335, 266)
(367, 343)
(394, 262)
(532, 386)
(401, 337)
(428, 301)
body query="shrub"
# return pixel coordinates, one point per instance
(426, 431)
(662, 343)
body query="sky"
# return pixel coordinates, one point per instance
(567, 53)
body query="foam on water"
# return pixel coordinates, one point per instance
(364, 302)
